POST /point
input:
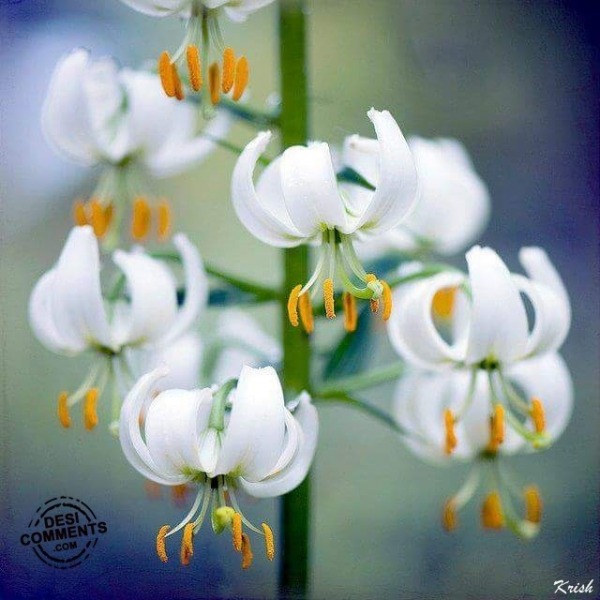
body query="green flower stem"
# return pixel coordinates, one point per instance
(295, 509)
(361, 382)
(428, 271)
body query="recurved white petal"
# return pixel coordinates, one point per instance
(173, 426)
(254, 436)
(160, 8)
(295, 471)
(498, 319)
(75, 296)
(252, 213)
(153, 307)
(397, 184)
(196, 288)
(241, 10)
(132, 443)
(310, 189)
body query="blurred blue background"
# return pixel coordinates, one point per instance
(517, 82)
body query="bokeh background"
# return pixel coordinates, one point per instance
(517, 82)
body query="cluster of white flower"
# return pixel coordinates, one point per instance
(480, 381)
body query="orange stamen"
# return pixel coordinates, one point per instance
(160, 543)
(496, 428)
(90, 416)
(449, 516)
(533, 504)
(492, 516)
(177, 87)
(538, 415)
(443, 302)
(98, 217)
(140, 222)
(387, 300)
(194, 67)
(247, 556)
(374, 303)
(214, 83)
(306, 313)
(242, 76)
(350, 315)
(63, 410)
(292, 305)
(449, 422)
(164, 220)
(328, 298)
(236, 531)
(228, 70)
(269, 541)
(165, 72)
(79, 216)
(187, 544)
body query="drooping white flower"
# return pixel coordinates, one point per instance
(489, 320)
(239, 341)
(96, 113)
(298, 201)
(68, 312)
(453, 206)
(459, 415)
(202, 44)
(224, 440)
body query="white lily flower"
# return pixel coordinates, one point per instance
(222, 441)
(202, 32)
(298, 201)
(241, 341)
(98, 114)
(458, 416)
(489, 321)
(453, 208)
(68, 315)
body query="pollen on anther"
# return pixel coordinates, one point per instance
(242, 76)
(533, 504)
(269, 541)
(449, 517)
(99, 217)
(160, 543)
(63, 410)
(292, 305)
(177, 86)
(214, 83)
(228, 70)
(450, 441)
(236, 531)
(90, 416)
(79, 215)
(306, 313)
(166, 74)
(141, 219)
(328, 298)
(374, 302)
(247, 556)
(164, 220)
(187, 544)
(387, 300)
(194, 67)
(443, 302)
(492, 516)
(496, 428)
(350, 314)
(538, 415)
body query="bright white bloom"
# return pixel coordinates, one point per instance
(489, 322)
(202, 47)
(236, 10)
(459, 415)
(98, 114)
(68, 312)
(454, 203)
(221, 440)
(241, 341)
(297, 201)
